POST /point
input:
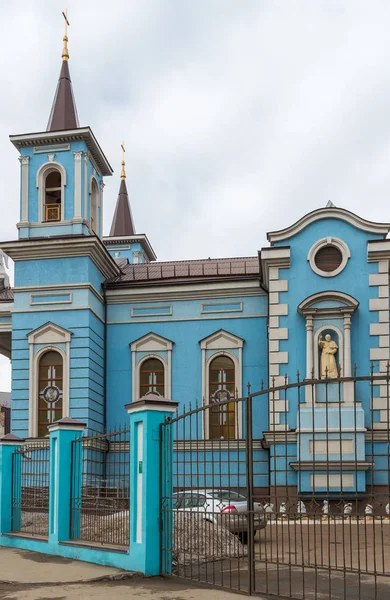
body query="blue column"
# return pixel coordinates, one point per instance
(146, 416)
(8, 444)
(62, 434)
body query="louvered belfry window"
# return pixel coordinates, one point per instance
(328, 258)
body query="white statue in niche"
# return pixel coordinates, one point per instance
(328, 367)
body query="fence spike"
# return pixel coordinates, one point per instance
(298, 376)
(249, 387)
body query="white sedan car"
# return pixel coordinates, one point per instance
(225, 507)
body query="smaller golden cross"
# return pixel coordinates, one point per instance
(123, 172)
(65, 53)
(66, 22)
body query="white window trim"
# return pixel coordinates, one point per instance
(152, 344)
(50, 335)
(205, 388)
(137, 372)
(40, 183)
(329, 241)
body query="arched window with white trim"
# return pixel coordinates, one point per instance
(94, 206)
(53, 195)
(50, 390)
(152, 377)
(222, 387)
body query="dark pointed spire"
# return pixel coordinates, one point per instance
(63, 113)
(122, 223)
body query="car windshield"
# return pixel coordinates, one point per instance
(227, 495)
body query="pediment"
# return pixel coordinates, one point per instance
(221, 340)
(151, 342)
(328, 301)
(49, 334)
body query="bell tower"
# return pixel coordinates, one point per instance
(61, 264)
(62, 169)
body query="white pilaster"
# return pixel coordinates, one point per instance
(24, 160)
(309, 346)
(347, 345)
(86, 195)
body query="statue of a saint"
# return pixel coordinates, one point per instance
(328, 367)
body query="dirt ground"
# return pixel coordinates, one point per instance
(156, 588)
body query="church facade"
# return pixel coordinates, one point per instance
(96, 322)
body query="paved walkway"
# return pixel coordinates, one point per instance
(23, 567)
(26, 575)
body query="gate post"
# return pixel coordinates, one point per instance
(62, 434)
(8, 443)
(146, 415)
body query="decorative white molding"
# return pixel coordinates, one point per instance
(51, 157)
(329, 241)
(274, 258)
(380, 353)
(50, 335)
(85, 134)
(221, 340)
(328, 213)
(190, 291)
(50, 295)
(347, 303)
(152, 344)
(42, 173)
(64, 248)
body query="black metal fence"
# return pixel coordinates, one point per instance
(296, 504)
(30, 488)
(101, 488)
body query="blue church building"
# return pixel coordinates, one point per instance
(93, 323)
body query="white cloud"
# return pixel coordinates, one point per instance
(238, 117)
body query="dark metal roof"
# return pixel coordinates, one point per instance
(189, 270)
(122, 223)
(63, 113)
(7, 295)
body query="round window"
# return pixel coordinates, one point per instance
(328, 258)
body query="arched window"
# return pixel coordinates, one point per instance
(53, 191)
(221, 388)
(50, 390)
(94, 206)
(152, 377)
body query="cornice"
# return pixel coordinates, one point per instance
(328, 213)
(63, 247)
(140, 238)
(84, 134)
(378, 250)
(180, 291)
(273, 257)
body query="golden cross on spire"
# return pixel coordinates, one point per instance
(123, 172)
(65, 53)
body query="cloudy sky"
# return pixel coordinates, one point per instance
(239, 116)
